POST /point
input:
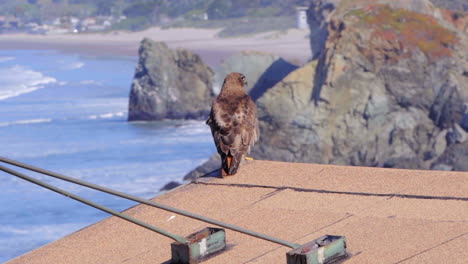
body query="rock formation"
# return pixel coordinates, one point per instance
(388, 89)
(173, 84)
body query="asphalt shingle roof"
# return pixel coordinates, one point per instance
(387, 216)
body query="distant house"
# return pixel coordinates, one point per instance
(86, 23)
(89, 21)
(10, 24)
(56, 22)
(14, 22)
(107, 23)
(34, 28)
(74, 21)
(31, 26)
(301, 17)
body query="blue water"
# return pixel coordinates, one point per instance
(67, 113)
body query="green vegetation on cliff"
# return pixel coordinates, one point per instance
(140, 14)
(407, 30)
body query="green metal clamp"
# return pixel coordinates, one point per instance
(323, 250)
(201, 245)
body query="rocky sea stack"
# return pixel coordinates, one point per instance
(174, 84)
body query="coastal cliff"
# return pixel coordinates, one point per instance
(388, 89)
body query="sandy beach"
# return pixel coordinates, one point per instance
(292, 45)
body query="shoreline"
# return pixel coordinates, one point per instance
(292, 45)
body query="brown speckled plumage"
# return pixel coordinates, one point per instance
(233, 122)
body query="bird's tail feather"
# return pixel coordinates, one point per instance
(234, 162)
(230, 164)
(225, 164)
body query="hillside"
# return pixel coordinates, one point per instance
(141, 14)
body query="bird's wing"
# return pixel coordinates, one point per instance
(249, 132)
(220, 123)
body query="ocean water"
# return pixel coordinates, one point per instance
(67, 113)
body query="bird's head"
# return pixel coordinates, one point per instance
(242, 79)
(235, 79)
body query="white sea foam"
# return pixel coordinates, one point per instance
(193, 128)
(5, 59)
(90, 82)
(47, 232)
(15, 240)
(141, 179)
(107, 115)
(66, 150)
(74, 65)
(18, 80)
(25, 122)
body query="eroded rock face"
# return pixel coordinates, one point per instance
(376, 96)
(262, 70)
(173, 84)
(318, 17)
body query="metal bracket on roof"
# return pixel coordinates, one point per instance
(323, 250)
(199, 246)
(202, 244)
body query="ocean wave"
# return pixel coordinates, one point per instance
(46, 152)
(26, 122)
(195, 127)
(143, 179)
(107, 115)
(15, 241)
(18, 80)
(45, 232)
(5, 59)
(74, 66)
(90, 82)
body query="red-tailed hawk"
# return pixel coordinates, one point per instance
(233, 123)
